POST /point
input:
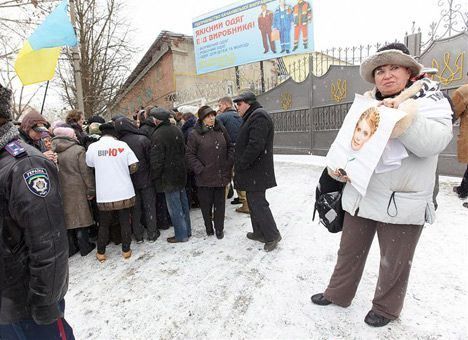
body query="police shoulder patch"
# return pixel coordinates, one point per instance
(38, 182)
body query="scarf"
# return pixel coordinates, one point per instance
(395, 151)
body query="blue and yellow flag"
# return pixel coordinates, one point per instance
(37, 59)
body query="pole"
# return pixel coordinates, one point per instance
(262, 77)
(76, 64)
(236, 68)
(45, 95)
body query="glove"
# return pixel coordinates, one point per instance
(46, 315)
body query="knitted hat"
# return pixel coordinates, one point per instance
(64, 132)
(392, 54)
(5, 102)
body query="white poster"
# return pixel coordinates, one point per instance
(362, 139)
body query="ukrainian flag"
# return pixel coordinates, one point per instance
(37, 59)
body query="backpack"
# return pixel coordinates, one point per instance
(328, 202)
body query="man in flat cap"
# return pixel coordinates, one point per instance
(254, 169)
(169, 173)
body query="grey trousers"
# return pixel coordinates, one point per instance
(397, 245)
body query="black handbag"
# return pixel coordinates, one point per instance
(328, 202)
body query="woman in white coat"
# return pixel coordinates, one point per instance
(398, 202)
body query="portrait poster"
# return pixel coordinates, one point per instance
(252, 30)
(362, 139)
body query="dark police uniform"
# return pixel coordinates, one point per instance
(34, 246)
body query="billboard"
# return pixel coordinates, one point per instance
(252, 30)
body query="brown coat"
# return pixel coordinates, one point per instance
(460, 102)
(76, 182)
(210, 155)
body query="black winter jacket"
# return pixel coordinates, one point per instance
(141, 146)
(254, 169)
(147, 127)
(168, 170)
(34, 238)
(188, 126)
(210, 155)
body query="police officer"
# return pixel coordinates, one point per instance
(33, 241)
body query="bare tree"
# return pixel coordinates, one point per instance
(105, 51)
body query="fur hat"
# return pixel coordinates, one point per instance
(187, 109)
(5, 102)
(93, 128)
(392, 54)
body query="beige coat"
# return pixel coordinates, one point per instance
(76, 182)
(460, 102)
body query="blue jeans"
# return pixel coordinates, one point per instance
(177, 204)
(29, 330)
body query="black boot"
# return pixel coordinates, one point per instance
(219, 234)
(319, 299)
(255, 237)
(269, 246)
(375, 320)
(209, 231)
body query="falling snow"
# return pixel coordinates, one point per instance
(218, 289)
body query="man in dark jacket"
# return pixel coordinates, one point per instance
(229, 117)
(254, 169)
(145, 196)
(146, 123)
(34, 239)
(231, 120)
(169, 172)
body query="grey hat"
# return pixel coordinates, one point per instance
(392, 54)
(5, 102)
(247, 97)
(160, 114)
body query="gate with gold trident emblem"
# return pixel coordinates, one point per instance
(308, 114)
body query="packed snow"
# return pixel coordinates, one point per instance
(232, 289)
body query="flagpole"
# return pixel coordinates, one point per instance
(76, 63)
(45, 95)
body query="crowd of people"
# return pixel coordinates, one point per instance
(126, 179)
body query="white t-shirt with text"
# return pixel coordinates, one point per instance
(111, 158)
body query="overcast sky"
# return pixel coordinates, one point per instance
(342, 23)
(337, 23)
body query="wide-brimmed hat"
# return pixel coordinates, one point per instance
(205, 111)
(392, 54)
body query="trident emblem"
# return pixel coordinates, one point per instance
(447, 73)
(339, 91)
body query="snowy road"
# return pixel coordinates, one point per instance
(231, 288)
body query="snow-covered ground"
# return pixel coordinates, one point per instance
(231, 288)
